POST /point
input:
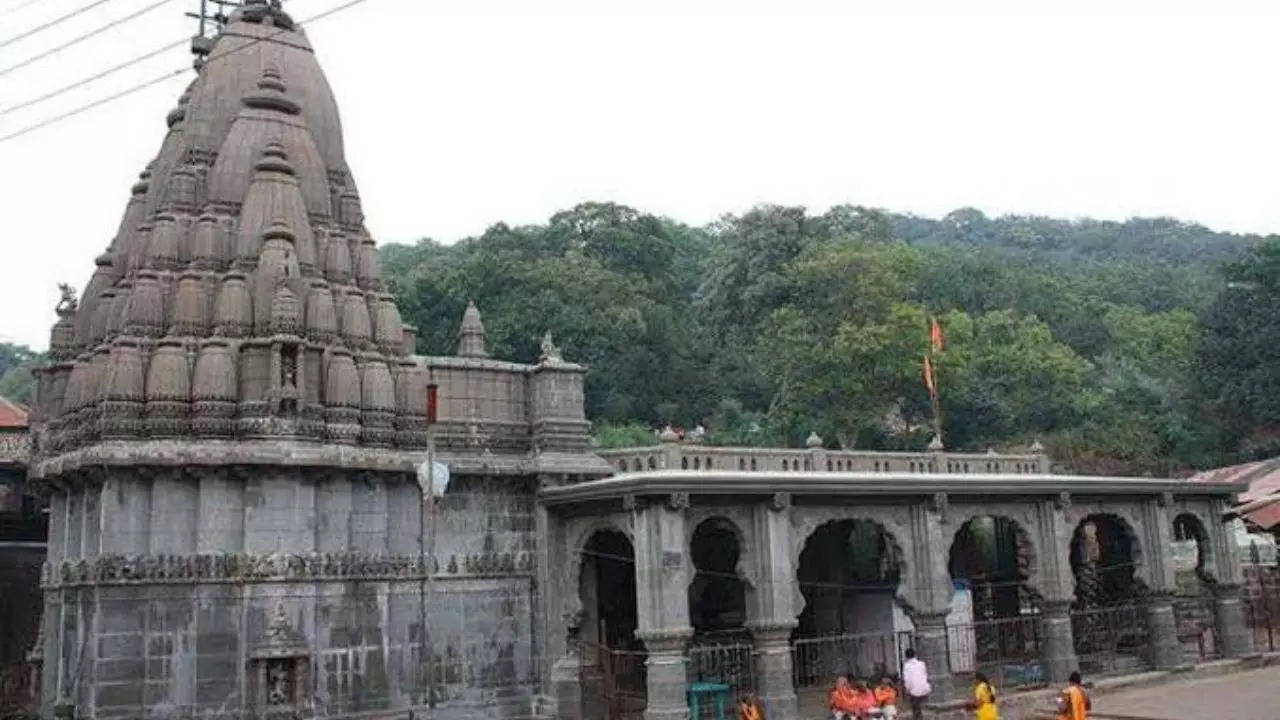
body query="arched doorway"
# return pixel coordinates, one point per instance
(717, 595)
(607, 588)
(851, 623)
(991, 555)
(994, 624)
(1104, 560)
(613, 658)
(1193, 583)
(721, 650)
(1108, 624)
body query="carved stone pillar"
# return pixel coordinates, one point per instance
(666, 673)
(931, 647)
(772, 610)
(1162, 629)
(931, 591)
(1059, 647)
(775, 688)
(1228, 615)
(1056, 585)
(662, 602)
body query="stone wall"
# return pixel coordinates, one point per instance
(341, 558)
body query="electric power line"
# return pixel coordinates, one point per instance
(160, 78)
(96, 76)
(21, 5)
(74, 41)
(56, 21)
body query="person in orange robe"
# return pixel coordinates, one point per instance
(887, 698)
(1074, 703)
(845, 703)
(750, 708)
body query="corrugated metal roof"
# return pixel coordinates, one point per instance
(1262, 499)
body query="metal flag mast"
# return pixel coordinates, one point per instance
(202, 41)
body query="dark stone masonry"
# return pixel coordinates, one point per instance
(232, 438)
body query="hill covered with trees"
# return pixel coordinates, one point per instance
(1148, 346)
(1118, 345)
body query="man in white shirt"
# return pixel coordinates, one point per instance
(915, 680)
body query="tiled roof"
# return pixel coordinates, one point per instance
(12, 414)
(1259, 504)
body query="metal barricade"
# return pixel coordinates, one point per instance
(1112, 640)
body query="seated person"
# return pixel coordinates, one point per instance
(887, 698)
(844, 702)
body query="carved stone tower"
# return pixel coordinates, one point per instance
(230, 428)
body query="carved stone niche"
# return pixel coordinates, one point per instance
(280, 672)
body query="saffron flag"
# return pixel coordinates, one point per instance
(935, 335)
(929, 380)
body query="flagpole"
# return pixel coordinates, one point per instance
(935, 345)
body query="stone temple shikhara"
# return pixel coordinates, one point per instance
(231, 432)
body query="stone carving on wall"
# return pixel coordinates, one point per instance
(234, 567)
(1062, 501)
(939, 505)
(678, 501)
(780, 501)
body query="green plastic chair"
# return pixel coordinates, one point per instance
(710, 692)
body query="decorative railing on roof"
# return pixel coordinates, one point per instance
(672, 454)
(15, 448)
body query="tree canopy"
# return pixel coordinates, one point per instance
(1119, 345)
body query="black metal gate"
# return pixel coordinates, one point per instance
(612, 682)
(1261, 606)
(1112, 640)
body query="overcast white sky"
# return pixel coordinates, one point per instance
(462, 113)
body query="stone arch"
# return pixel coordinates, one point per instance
(891, 556)
(1188, 525)
(606, 589)
(1106, 560)
(893, 521)
(577, 547)
(719, 591)
(1007, 563)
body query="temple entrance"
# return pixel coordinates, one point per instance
(1193, 582)
(722, 651)
(613, 659)
(1108, 622)
(851, 622)
(994, 625)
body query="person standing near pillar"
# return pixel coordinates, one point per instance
(1074, 703)
(915, 681)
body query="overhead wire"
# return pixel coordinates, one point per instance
(161, 78)
(96, 76)
(81, 38)
(51, 23)
(19, 6)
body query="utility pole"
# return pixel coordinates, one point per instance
(202, 41)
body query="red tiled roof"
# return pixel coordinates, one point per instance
(12, 415)
(1261, 502)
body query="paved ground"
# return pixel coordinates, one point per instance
(1250, 695)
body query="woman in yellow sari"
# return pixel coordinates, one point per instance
(749, 709)
(984, 699)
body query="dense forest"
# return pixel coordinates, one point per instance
(1148, 346)
(1121, 346)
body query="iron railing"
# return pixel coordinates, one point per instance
(815, 662)
(1112, 640)
(1007, 650)
(613, 683)
(1260, 603)
(728, 664)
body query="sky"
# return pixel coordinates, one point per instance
(462, 113)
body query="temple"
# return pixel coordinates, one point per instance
(254, 512)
